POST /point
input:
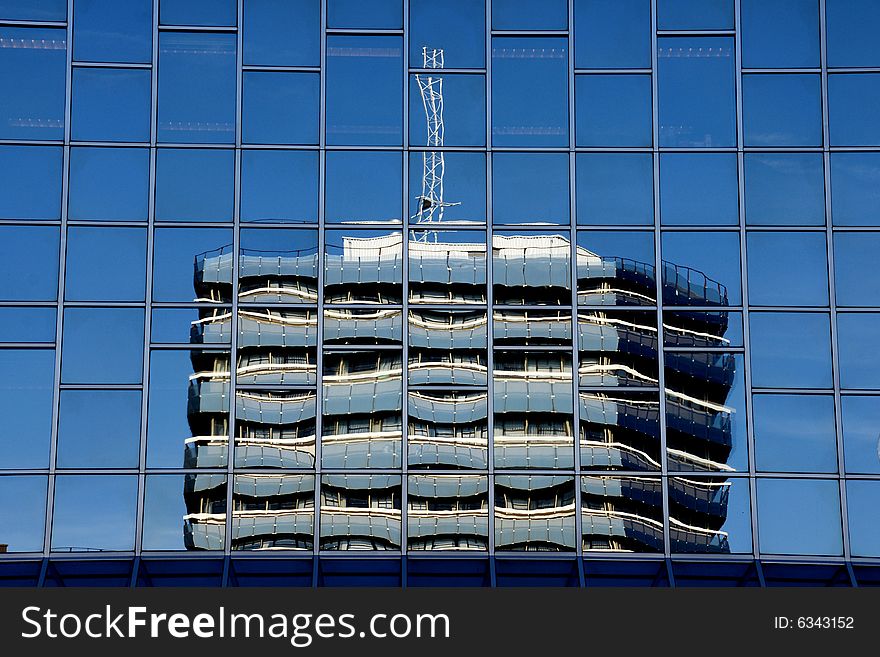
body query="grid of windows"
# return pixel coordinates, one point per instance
(512, 279)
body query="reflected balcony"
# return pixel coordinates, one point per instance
(535, 513)
(360, 512)
(448, 512)
(448, 430)
(273, 512)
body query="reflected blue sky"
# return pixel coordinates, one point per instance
(197, 12)
(810, 527)
(279, 186)
(282, 32)
(780, 33)
(23, 522)
(614, 188)
(28, 263)
(26, 402)
(99, 429)
(612, 33)
(456, 26)
(787, 269)
(94, 512)
(861, 435)
(194, 185)
(32, 182)
(784, 189)
(112, 31)
(102, 345)
(110, 184)
(790, 350)
(698, 189)
(794, 433)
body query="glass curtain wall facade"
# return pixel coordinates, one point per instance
(465, 293)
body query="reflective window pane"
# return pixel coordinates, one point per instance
(710, 516)
(279, 186)
(701, 328)
(535, 512)
(698, 189)
(852, 27)
(282, 33)
(197, 12)
(31, 182)
(463, 190)
(28, 263)
(852, 105)
(102, 345)
(782, 110)
(784, 189)
(109, 183)
(861, 444)
(855, 189)
(447, 429)
(613, 110)
(352, 13)
(363, 266)
(530, 188)
(612, 33)
(462, 108)
(275, 429)
(94, 512)
(277, 346)
(22, 324)
(615, 268)
(33, 10)
(111, 31)
(780, 33)
(447, 347)
(855, 271)
(616, 349)
(360, 512)
(191, 325)
(694, 14)
(861, 508)
(447, 267)
(456, 26)
(701, 269)
(275, 512)
(799, 516)
(363, 187)
(23, 522)
(622, 514)
(859, 359)
(529, 15)
(529, 91)
(111, 104)
(794, 433)
(26, 377)
(194, 184)
(787, 269)
(790, 350)
(99, 429)
(279, 266)
(696, 91)
(105, 264)
(615, 188)
(531, 268)
(185, 512)
(619, 430)
(280, 107)
(192, 264)
(447, 512)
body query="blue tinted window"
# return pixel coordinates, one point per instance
(181, 253)
(26, 377)
(782, 110)
(280, 107)
(197, 12)
(364, 90)
(354, 13)
(196, 88)
(105, 264)
(463, 109)
(111, 104)
(22, 324)
(696, 91)
(181, 325)
(612, 33)
(701, 268)
(861, 509)
(853, 103)
(99, 429)
(852, 27)
(787, 269)
(33, 10)
(855, 189)
(615, 188)
(794, 433)
(31, 182)
(858, 353)
(790, 350)
(33, 64)
(28, 263)
(165, 507)
(780, 33)
(363, 186)
(799, 516)
(109, 183)
(279, 186)
(529, 14)
(529, 91)
(282, 32)
(102, 345)
(94, 512)
(529, 188)
(784, 189)
(194, 184)
(112, 31)
(635, 245)
(457, 27)
(698, 189)
(861, 438)
(613, 110)
(23, 521)
(464, 183)
(855, 269)
(694, 14)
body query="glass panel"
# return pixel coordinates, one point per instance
(194, 184)
(192, 264)
(861, 444)
(447, 266)
(279, 186)
(694, 328)
(458, 196)
(28, 263)
(784, 189)
(33, 10)
(543, 328)
(102, 345)
(363, 187)
(282, 33)
(698, 189)
(459, 101)
(622, 514)
(787, 269)
(617, 349)
(849, 97)
(26, 378)
(99, 429)
(94, 513)
(794, 433)
(535, 513)
(855, 272)
(615, 188)
(362, 409)
(109, 183)
(615, 268)
(278, 266)
(280, 107)
(277, 346)
(33, 63)
(780, 33)
(105, 264)
(197, 12)
(529, 15)
(857, 344)
(457, 27)
(352, 13)
(861, 508)
(613, 110)
(185, 512)
(530, 188)
(620, 431)
(782, 110)
(188, 418)
(710, 516)
(112, 31)
(790, 350)
(696, 91)
(855, 189)
(364, 90)
(276, 429)
(694, 14)
(196, 88)
(23, 522)
(531, 268)
(612, 33)
(273, 512)
(191, 325)
(447, 512)
(31, 182)
(852, 27)
(701, 269)
(363, 266)
(529, 91)
(447, 347)
(447, 430)
(19, 324)
(366, 326)
(799, 516)
(360, 512)
(111, 104)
